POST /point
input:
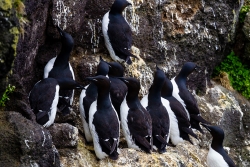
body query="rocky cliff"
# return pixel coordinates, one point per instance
(167, 33)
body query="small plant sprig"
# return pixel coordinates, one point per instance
(243, 12)
(238, 74)
(6, 93)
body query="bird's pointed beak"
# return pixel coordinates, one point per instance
(59, 30)
(123, 79)
(109, 65)
(206, 126)
(197, 68)
(101, 59)
(82, 87)
(157, 68)
(92, 79)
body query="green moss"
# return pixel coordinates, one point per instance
(5, 4)
(243, 12)
(10, 89)
(15, 32)
(238, 74)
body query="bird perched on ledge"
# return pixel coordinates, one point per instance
(117, 32)
(44, 98)
(217, 156)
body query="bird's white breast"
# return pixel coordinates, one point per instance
(124, 123)
(105, 24)
(177, 96)
(83, 116)
(174, 128)
(144, 101)
(48, 67)
(214, 159)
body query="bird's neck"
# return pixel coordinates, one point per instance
(182, 80)
(166, 90)
(103, 98)
(62, 59)
(216, 144)
(154, 96)
(132, 96)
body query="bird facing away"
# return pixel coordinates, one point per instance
(217, 156)
(103, 121)
(59, 67)
(88, 96)
(180, 125)
(118, 88)
(44, 98)
(159, 115)
(117, 32)
(135, 120)
(184, 96)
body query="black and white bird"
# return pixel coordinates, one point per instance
(88, 96)
(118, 88)
(217, 156)
(59, 67)
(135, 119)
(160, 118)
(184, 96)
(180, 126)
(117, 32)
(103, 121)
(44, 98)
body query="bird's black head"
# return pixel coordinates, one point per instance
(68, 83)
(116, 69)
(188, 68)
(167, 88)
(100, 81)
(119, 5)
(159, 79)
(102, 68)
(159, 75)
(67, 40)
(133, 84)
(216, 132)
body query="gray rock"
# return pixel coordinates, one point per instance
(246, 27)
(246, 32)
(64, 135)
(32, 142)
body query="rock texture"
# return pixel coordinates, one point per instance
(246, 32)
(64, 135)
(167, 33)
(9, 38)
(25, 143)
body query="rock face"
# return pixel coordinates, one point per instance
(64, 135)
(9, 38)
(246, 32)
(166, 33)
(25, 143)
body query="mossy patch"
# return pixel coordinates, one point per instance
(5, 4)
(15, 32)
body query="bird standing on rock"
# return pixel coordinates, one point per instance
(118, 88)
(136, 122)
(160, 118)
(117, 32)
(88, 96)
(44, 98)
(59, 67)
(180, 125)
(103, 121)
(217, 156)
(183, 95)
